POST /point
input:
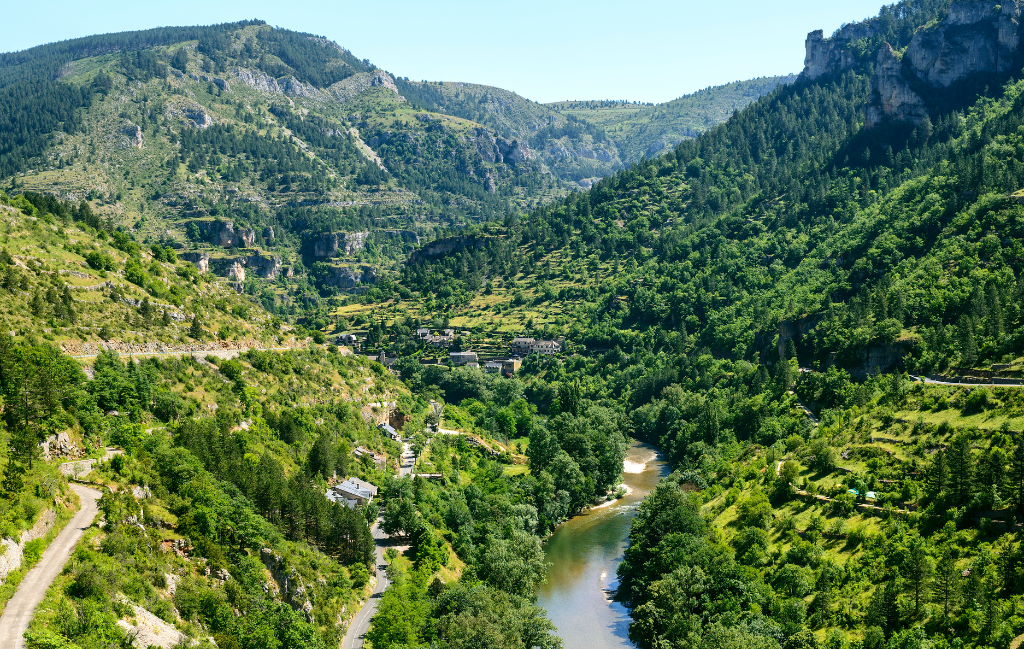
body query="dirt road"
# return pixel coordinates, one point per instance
(22, 606)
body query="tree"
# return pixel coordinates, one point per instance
(883, 611)
(570, 398)
(708, 427)
(195, 330)
(146, 311)
(917, 570)
(961, 469)
(946, 590)
(1016, 481)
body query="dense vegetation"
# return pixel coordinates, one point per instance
(789, 250)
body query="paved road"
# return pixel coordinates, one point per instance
(361, 622)
(925, 379)
(22, 606)
(408, 460)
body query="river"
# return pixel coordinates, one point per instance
(584, 553)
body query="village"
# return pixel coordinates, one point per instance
(355, 492)
(440, 348)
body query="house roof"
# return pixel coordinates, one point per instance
(364, 485)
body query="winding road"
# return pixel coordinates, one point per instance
(361, 622)
(18, 613)
(975, 384)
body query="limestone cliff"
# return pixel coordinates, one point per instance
(225, 234)
(976, 37)
(893, 96)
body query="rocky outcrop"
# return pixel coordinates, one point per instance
(197, 117)
(894, 98)
(200, 260)
(288, 582)
(221, 83)
(974, 37)
(355, 85)
(134, 133)
(831, 55)
(329, 244)
(225, 234)
(445, 246)
(265, 266)
(498, 149)
(348, 277)
(58, 445)
(257, 79)
(977, 37)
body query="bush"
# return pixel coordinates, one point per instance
(100, 261)
(33, 551)
(977, 401)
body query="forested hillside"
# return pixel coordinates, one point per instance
(752, 303)
(646, 130)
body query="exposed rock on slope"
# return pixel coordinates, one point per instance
(894, 97)
(974, 38)
(224, 233)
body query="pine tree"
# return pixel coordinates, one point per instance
(1016, 482)
(946, 590)
(961, 470)
(146, 310)
(195, 330)
(917, 571)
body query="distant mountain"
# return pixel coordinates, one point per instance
(641, 130)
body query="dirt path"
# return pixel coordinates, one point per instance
(361, 622)
(22, 606)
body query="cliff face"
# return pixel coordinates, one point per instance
(235, 268)
(978, 37)
(832, 55)
(330, 244)
(444, 246)
(893, 96)
(224, 233)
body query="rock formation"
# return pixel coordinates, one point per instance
(223, 233)
(197, 117)
(331, 243)
(265, 266)
(447, 245)
(134, 133)
(894, 97)
(201, 260)
(976, 37)
(348, 277)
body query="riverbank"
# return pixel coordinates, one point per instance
(584, 553)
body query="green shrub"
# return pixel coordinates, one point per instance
(977, 401)
(33, 551)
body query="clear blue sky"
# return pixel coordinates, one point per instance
(547, 50)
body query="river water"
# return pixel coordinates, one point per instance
(584, 553)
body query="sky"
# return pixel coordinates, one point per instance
(546, 50)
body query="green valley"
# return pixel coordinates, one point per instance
(344, 350)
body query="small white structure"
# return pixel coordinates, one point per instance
(352, 493)
(462, 358)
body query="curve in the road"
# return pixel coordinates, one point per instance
(18, 613)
